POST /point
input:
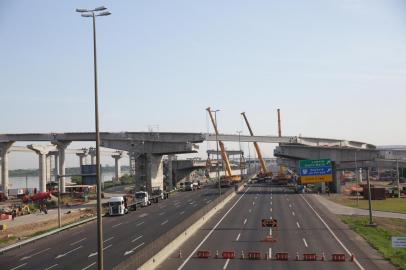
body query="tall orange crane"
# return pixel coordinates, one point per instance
(264, 173)
(229, 175)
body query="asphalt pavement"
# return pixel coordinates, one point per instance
(302, 229)
(123, 236)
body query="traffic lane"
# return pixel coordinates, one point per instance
(368, 257)
(222, 237)
(252, 243)
(86, 232)
(310, 236)
(148, 232)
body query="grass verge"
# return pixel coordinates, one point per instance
(380, 237)
(390, 204)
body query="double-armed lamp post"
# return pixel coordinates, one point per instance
(93, 13)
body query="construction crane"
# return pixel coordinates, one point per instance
(229, 175)
(263, 173)
(281, 177)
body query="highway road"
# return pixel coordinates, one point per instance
(123, 236)
(302, 228)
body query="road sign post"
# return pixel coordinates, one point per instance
(399, 241)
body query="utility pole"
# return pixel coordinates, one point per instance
(371, 223)
(397, 173)
(356, 176)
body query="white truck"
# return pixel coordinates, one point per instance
(117, 206)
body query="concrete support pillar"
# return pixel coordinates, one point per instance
(42, 151)
(61, 146)
(56, 165)
(4, 150)
(149, 171)
(117, 169)
(92, 153)
(48, 167)
(170, 172)
(82, 157)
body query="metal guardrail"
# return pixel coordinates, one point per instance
(33, 239)
(148, 251)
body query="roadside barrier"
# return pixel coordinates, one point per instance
(228, 254)
(310, 257)
(281, 256)
(338, 257)
(204, 254)
(254, 255)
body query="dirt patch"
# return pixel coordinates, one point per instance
(24, 231)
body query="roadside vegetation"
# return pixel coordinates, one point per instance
(380, 237)
(390, 204)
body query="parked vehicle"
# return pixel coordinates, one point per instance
(188, 186)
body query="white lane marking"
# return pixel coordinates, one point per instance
(290, 205)
(163, 223)
(297, 224)
(78, 232)
(66, 253)
(270, 209)
(238, 237)
(181, 213)
(139, 224)
(177, 206)
(293, 213)
(211, 231)
(135, 239)
(249, 210)
(270, 253)
(108, 239)
(143, 215)
(116, 225)
(90, 265)
(270, 231)
(305, 243)
(32, 255)
(74, 243)
(333, 234)
(95, 253)
(52, 266)
(160, 214)
(132, 250)
(253, 203)
(245, 221)
(21, 265)
(208, 201)
(226, 264)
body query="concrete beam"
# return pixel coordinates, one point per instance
(340, 155)
(157, 148)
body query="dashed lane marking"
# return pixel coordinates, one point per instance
(238, 237)
(90, 265)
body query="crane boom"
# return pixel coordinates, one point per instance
(261, 159)
(222, 148)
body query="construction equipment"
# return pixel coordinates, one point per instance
(229, 175)
(263, 173)
(282, 177)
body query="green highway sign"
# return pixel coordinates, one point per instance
(311, 163)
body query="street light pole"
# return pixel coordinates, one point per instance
(371, 223)
(92, 13)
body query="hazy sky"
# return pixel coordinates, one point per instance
(336, 68)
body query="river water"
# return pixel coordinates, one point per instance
(33, 181)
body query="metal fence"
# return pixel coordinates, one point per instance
(151, 249)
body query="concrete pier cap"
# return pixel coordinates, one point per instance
(42, 151)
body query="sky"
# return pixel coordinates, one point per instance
(335, 68)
